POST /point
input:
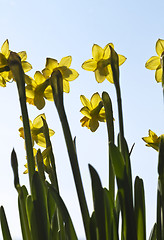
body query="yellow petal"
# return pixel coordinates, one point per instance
(51, 63)
(30, 91)
(85, 122)
(97, 52)
(38, 123)
(68, 74)
(93, 124)
(3, 61)
(48, 93)
(121, 59)
(40, 140)
(22, 55)
(51, 132)
(26, 66)
(158, 75)
(46, 72)
(29, 80)
(107, 52)
(153, 63)
(66, 61)
(85, 101)
(160, 47)
(5, 49)
(109, 77)
(99, 77)
(66, 87)
(89, 65)
(95, 99)
(39, 78)
(2, 82)
(86, 112)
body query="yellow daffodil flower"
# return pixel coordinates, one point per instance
(6, 75)
(37, 131)
(44, 155)
(68, 74)
(154, 63)
(100, 63)
(152, 140)
(37, 89)
(93, 112)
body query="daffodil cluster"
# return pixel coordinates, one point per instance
(152, 140)
(5, 73)
(100, 63)
(154, 63)
(93, 112)
(37, 136)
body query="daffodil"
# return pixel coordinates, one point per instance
(93, 112)
(100, 64)
(37, 131)
(44, 155)
(154, 63)
(6, 74)
(68, 74)
(37, 90)
(152, 140)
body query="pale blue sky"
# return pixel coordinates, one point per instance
(60, 28)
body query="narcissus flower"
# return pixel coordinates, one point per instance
(154, 63)
(152, 140)
(68, 74)
(37, 90)
(100, 64)
(6, 75)
(45, 154)
(37, 131)
(93, 112)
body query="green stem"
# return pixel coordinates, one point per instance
(57, 89)
(110, 128)
(18, 74)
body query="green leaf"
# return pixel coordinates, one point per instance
(23, 213)
(117, 160)
(153, 234)
(4, 225)
(70, 231)
(140, 209)
(98, 200)
(31, 217)
(40, 205)
(93, 227)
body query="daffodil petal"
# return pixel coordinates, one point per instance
(2, 82)
(66, 87)
(48, 93)
(89, 65)
(40, 140)
(121, 59)
(95, 99)
(153, 63)
(107, 52)
(39, 78)
(51, 132)
(97, 52)
(26, 66)
(158, 75)
(30, 91)
(93, 124)
(51, 63)
(85, 122)
(23, 55)
(5, 49)
(66, 61)
(3, 60)
(38, 122)
(160, 47)
(99, 77)
(28, 80)
(85, 101)
(86, 112)
(46, 72)
(68, 74)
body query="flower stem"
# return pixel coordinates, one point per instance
(18, 74)
(57, 89)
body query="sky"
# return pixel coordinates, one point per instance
(61, 28)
